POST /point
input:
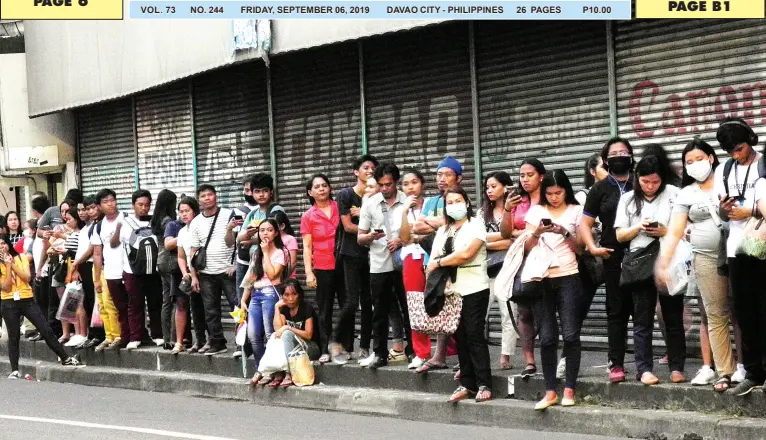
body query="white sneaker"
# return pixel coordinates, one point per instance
(75, 340)
(416, 363)
(367, 361)
(237, 354)
(133, 345)
(159, 342)
(561, 370)
(739, 375)
(705, 376)
(15, 375)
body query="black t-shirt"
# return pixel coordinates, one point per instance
(299, 320)
(602, 203)
(346, 199)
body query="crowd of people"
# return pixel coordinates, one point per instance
(376, 246)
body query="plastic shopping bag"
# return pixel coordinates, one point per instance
(241, 335)
(301, 369)
(274, 358)
(96, 320)
(70, 301)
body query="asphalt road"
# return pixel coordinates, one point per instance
(46, 410)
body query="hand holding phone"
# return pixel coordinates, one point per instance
(653, 225)
(546, 222)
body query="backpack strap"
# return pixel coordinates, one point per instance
(726, 172)
(762, 166)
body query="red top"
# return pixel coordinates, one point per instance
(322, 230)
(520, 213)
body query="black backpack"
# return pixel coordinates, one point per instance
(142, 249)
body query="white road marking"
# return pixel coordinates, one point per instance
(115, 428)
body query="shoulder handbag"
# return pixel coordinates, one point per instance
(199, 259)
(638, 266)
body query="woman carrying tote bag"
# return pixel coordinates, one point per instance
(642, 218)
(467, 237)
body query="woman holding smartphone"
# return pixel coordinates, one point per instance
(642, 218)
(497, 186)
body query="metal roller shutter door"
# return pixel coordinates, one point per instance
(418, 100)
(317, 123)
(231, 124)
(543, 93)
(164, 136)
(107, 149)
(678, 79)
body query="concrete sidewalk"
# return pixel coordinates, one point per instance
(624, 410)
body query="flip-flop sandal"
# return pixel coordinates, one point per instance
(505, 365)
(428, 366)
(256, 378)
(265, 380)
(722, 384)
(287, 382)
(485, 392)
(529, 371)
(460, 393)
(275, 383)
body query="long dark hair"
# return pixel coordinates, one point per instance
(457, 190)
(283, 219)
(538, 166)
(259, 252)
(667, 173)
(7, 240)
(591, 164)
(72, 211)
(21, 226)
(696, 144)
(292, 282)
(488, 206)
(165, 206)
(310, 184)
(557, 178)
(646, 167)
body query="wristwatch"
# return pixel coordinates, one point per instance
(439, 262)
(567, 234)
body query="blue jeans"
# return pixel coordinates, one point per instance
(260, 319)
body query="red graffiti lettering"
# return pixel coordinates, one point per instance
(695, 111)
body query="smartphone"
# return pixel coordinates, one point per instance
(379, 231)
(238, 217)
(653, 225)
(513, 192)
(546, 222)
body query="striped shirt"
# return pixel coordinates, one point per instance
(71, 244)
(218, 254)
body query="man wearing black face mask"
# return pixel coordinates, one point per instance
(601, 203)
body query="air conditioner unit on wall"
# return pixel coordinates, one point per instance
(31, 158)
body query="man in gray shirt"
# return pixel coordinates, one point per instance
(379, 226)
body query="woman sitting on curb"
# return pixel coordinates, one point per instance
(294, 324)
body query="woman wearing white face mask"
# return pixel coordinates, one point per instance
(462, 244)
(697, 205)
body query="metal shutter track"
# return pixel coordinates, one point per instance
(232, 128)
(163, 127)
(107, 149)
(544, 98)
(418, 99)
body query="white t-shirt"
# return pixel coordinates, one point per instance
(112, 256)
(564, 258)
(218, 254)
(37, 254)
(83, 242)
(737, 186)
(184, 243)
(658, 210)
(128, 225)
(472, 276)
